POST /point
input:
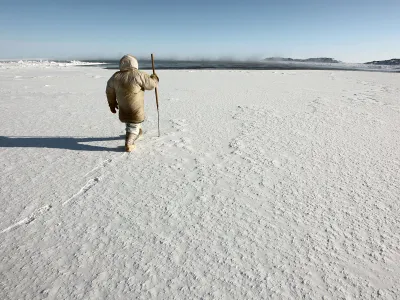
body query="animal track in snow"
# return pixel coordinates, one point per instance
(103, 164)
(91, 183)
(29, 219)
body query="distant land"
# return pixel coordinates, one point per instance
(389, 62)
(314, 59)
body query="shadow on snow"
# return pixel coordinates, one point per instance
(68, 143)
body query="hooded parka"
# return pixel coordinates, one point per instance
(125, 90)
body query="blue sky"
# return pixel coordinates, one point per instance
(352, 30)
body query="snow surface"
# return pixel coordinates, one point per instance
(263, 185)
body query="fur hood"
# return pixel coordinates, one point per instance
(128, 62)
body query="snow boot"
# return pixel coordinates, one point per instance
(130, 139)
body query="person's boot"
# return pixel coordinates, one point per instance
(130, 141)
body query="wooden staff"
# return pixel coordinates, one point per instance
(158, 112)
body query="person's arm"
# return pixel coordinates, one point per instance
(111, 96)
(148, 82)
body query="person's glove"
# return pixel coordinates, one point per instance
(114, 108)
(154, 76)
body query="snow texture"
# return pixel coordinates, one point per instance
(263, 185)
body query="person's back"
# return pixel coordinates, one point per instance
(125, 91)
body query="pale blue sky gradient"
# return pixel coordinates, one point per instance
(351, 31)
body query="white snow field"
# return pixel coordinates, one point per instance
(263, 185)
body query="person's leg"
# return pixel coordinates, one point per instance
(133, 128)
(132, 133)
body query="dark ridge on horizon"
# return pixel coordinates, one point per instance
(388, 62)
(312, 60)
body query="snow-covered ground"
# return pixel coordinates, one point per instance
(12, 64)
(263, 185)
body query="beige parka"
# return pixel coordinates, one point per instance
(125, 90)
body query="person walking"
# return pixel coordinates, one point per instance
(125, 92)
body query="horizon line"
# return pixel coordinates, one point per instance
(187, 59)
